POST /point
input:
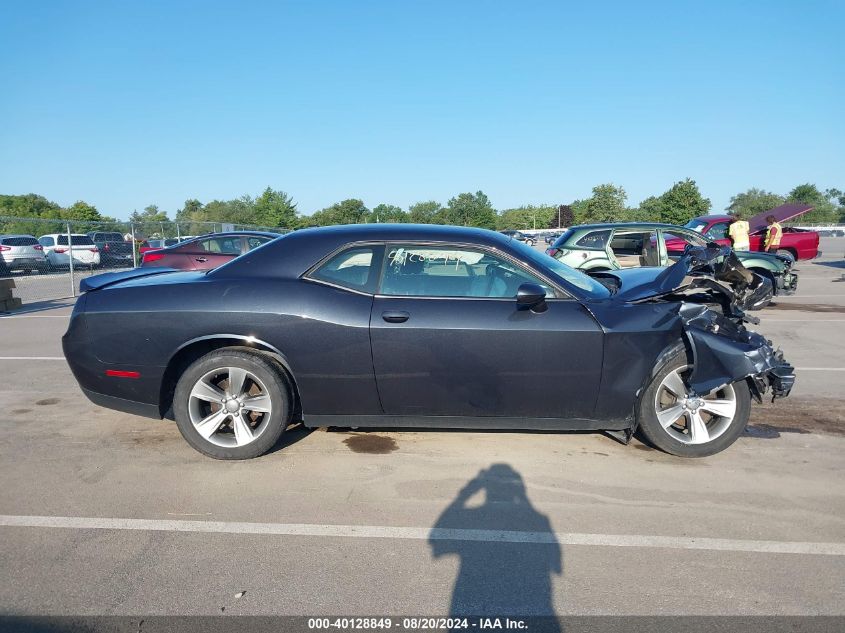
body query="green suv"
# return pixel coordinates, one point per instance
(602, 247)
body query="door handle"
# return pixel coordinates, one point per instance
(395, 316)
(201, 259)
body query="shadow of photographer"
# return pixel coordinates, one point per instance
(508, 551)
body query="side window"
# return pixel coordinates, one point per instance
(46, 241)
(596, 239)
(444, 271)
(255, 242)
(717, 231)
(352, 268)
(222, 245)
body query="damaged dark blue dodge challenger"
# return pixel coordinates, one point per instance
(427, 326)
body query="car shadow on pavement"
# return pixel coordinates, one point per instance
(293, 434)
(507, 550)
(832, 264)
(41, 306)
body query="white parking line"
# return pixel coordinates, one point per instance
(421, 534)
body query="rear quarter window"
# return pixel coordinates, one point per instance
(595, 240)
(355, 268)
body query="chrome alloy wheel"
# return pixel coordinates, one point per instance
(690, 418)
(229, 406)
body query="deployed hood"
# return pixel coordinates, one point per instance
(703, 270)
(782, 213)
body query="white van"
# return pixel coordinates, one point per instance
(85, 252)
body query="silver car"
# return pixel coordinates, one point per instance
(21, 252)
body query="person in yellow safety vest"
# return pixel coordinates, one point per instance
(773, 235)
(738, 231)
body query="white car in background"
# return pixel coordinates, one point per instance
(21, 252)
(85, 252)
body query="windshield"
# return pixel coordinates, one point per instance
(696, 225)
(587, 285)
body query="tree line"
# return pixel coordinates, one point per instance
(276, 209)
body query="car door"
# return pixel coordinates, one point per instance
(448, 339)
(679, 240)
(213, 252)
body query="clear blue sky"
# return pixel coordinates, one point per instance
(124, 104)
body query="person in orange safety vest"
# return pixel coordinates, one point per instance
(773, 235)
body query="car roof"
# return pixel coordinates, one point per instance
(227, 234)
(5, 235)
(382, 232)
(721, 217)
(65, 234)
(230, 233)
(305, 247)
(627, 225)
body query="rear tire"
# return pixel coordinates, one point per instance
(232, 404)
(707, 426)
(785, 253)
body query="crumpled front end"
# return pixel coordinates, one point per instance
(713, 291)
(724, 351)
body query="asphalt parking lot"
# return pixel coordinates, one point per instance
(107, 513)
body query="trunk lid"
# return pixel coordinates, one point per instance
(97, 282)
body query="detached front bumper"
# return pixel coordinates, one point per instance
(724, 352)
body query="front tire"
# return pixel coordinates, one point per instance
(232, 404)
(685, 425)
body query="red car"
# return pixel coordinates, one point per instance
(795, 243)
(208, 251)
(152, 245)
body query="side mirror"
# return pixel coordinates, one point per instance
(530, 296)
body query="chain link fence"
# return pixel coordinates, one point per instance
(45, 259)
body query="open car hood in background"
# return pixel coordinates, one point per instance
(783, 213)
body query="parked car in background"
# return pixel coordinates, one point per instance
(377, 325)
(596, 248)
(151, 245)
(520, 236)
(551, 237)
(795, 243)
(114, 250)
(58, 252)
(208, 251)
(21, 252)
